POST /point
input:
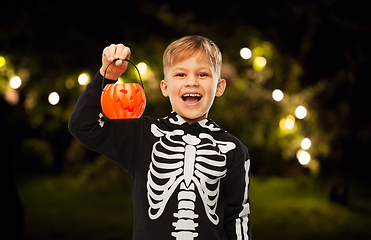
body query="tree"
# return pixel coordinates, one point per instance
(314, 51)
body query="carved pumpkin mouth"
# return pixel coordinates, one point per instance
(191, 97)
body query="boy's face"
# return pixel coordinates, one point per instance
(191, 85)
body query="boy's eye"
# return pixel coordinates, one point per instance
(203, 74)
(180, 75)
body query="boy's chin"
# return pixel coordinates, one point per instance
(190, 119)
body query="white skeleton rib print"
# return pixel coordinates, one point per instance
(190, 162)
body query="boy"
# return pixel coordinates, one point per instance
(190, 178)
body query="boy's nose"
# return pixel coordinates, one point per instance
(191, 81)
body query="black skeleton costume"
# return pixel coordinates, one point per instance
(188, 181)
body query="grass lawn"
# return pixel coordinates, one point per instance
(65, 208)
(282, 208)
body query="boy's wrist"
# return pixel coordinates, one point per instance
(95, 86)
(110, 76)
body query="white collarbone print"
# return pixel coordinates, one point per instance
(190, 163)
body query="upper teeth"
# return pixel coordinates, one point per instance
(192, 95)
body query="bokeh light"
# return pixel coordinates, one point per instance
(70, 83)
(11, 96)
(15, 82)
(83, 79)
(290, 122)
(287, 123)
(245, 53)
(277, 95)
(306, 143)
(303, 157)
(282, 123)
(2, 61)
(261, 61)
(53, 98)
(142, 67)
(301, 112)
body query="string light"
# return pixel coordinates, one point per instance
(83, 78)
(53, 98)
(245, 53)
(303, 157)
(288, 123)
(15, 82)
(306, 143)
(301, 112)
(277, 95)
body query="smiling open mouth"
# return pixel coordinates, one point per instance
(191, 97)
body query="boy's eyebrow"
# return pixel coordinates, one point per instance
(185, 69)
(179, 68)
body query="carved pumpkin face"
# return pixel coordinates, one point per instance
(123, 100)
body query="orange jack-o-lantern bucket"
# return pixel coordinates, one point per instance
(123, 100)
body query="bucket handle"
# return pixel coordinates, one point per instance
(105, 71)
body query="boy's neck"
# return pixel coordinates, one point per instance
(192, 121)
(189, 121)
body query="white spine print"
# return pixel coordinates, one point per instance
(185, 226)
(185, 214)
(186, 163)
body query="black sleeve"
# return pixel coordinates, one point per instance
(113, 138)
(237, 213)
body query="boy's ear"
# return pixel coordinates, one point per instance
(163, 87)
(222, 84)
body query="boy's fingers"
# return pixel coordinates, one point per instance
(118, 52)
(122, 52)
(107, 53)
(111, 52)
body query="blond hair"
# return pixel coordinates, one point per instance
(189, 45)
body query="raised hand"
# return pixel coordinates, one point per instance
(110, 53)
